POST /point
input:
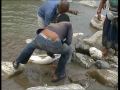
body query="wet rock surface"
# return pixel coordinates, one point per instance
(81, 79)
(106, 77)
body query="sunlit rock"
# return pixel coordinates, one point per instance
(95, 53)
(61, 87)
(95, 39)
(8, 70)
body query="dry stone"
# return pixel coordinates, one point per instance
(79, 78)
(95, 53)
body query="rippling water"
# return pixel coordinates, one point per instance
(19, 22)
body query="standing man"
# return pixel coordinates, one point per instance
(48, 12)
(110, 27)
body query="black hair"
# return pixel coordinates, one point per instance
(39, 30)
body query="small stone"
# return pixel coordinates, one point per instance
(102, 64)
(95, 53)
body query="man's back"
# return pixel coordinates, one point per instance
(63, 29)
(48, 10)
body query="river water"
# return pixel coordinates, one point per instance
(19, 22)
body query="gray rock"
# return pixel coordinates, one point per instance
(104, 76)
(78, 44)
(114, 65)
(102, 64)
(82, 48)
(84, 60)
(79, 78)
(61, 87)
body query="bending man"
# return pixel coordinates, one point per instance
(55, 38)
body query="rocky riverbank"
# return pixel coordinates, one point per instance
(87, 54)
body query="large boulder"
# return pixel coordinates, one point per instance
(95, 40)
(84, 60)
(105, 77)
(80, 78)
(61, 87)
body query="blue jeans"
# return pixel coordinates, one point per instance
(44, 44)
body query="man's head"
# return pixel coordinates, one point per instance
(63, 6)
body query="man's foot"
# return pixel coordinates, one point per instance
(116, 53)
(56, 78)
(16, 69)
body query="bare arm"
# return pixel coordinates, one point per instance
(75, 12)
(101, 6)
(69, 34)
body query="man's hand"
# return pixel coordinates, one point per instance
(75, 12)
